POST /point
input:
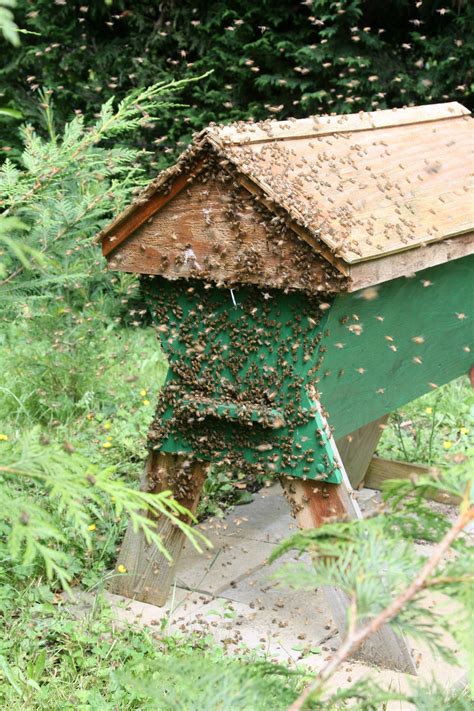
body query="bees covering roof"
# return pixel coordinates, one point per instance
(365, 185)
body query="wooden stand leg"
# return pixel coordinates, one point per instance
(314, 503)
(149, 574)
(356, 449)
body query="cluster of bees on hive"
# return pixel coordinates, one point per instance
(228, 341)
(255, 354)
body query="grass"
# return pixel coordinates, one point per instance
(50, 658)
(433, 428)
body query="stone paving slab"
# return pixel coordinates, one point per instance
(229, 592)
(231, 559)
(240, 626)
(181, 605)
(266, 519)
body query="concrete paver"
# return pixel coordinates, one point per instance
(229, 592)
(266, 519)
(231, 559)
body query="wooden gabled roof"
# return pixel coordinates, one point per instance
(366, 185)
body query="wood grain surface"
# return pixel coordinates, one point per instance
(203, 232)
(148, 573)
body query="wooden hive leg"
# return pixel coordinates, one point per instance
(357, 448)
(313, 504)
(148, 574)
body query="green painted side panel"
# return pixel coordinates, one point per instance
(388, 345)
(238, 387)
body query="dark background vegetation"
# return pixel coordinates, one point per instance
(275, 58)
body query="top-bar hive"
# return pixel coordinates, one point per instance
(369, 192)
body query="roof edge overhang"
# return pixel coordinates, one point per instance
(244, 132)
(368, 273)
(156, 195)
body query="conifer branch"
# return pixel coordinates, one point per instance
(356, 638)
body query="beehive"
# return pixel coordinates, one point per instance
(307, 277)
(304, 262)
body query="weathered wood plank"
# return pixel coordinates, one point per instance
(149, 574)
(393, 266)
(143, 212)
(381, 470)
(356, 449)
(315, 503)
(322, 125)
(213, 231)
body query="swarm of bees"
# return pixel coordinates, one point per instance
(237, 392)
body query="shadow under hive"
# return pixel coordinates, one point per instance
(306, 278)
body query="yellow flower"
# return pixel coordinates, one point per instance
(107, 425)
(143, 392)
(447, 444)
(428, 410)
(92, 527)
(121, 568)
(107, 445)
(109, 438)
(146, 402)
(464, 430)
(89, 416)
(4, 438)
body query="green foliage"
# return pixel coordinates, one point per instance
(434, 427)
(45, 488)
(224, 488)
(184, 682)
(8, 28)
(426, 698)
(274, 58)
(64, 348)
(19, 251)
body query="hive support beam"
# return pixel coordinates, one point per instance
(357, 448)
(148, 574)
(382, 470)
(314, 503)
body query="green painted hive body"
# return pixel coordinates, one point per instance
(390, 344)
(237, 388)
(247, 367)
